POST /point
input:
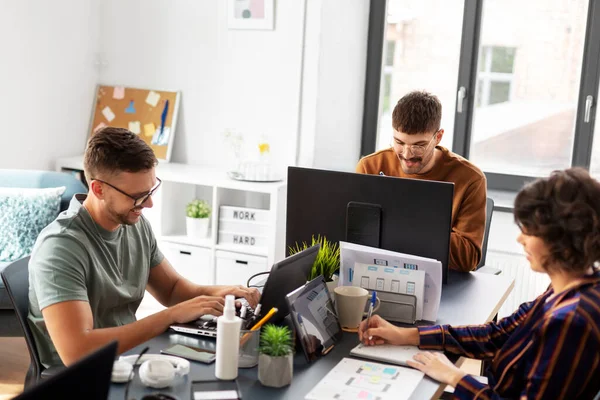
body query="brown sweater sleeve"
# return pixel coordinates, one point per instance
(468, 228)
(360, 167)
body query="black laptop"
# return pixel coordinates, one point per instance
(88, 378)
(285, 276)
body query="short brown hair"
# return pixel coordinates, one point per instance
(564, 211)
(417, 112)
(113, 150)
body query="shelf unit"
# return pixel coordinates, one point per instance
(198, 259)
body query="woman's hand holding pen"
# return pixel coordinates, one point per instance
(382, 332)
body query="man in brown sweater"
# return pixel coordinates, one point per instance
(414, 153)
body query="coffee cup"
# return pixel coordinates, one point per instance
(350, 302)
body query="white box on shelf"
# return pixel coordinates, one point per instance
(236, 268)
(188, 240)
(242, 239)
(230, 225)
(191, 262)
(244, 214)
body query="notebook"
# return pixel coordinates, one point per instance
(387, 353)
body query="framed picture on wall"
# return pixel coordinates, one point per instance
(250, 14)
(149, 113)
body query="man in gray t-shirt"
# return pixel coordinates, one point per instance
(89, 268)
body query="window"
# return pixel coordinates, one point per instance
(495, 76)
(421, 52)
(518, 80)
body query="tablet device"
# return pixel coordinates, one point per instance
(190, 353)
(212, 390)
(314, 318)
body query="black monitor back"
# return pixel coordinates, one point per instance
(415, 215)
(88, 378)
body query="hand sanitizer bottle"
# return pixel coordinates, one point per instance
(228, 341)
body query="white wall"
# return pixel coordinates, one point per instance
(239, 79)
(251, 81)
(334, 72)
(47, 79)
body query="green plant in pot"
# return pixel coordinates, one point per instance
(275, 361)
(327, 262)
(197, 218)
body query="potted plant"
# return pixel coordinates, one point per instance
(327, 262)
(197, 218)
(275, 361)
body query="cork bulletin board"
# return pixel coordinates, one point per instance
(151, 114)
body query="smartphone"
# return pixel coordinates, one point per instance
(363, 223)
(190, 353)
(210, 390)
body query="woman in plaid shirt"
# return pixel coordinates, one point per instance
(550, 347)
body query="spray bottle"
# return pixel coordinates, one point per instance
(228, 341)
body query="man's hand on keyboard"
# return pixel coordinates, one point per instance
(193, 309)
(252, 295)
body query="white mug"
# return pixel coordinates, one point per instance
(350, 302)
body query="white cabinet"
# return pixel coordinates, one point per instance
(237, 268)
(192, 262)
(196, 259)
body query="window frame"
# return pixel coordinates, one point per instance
(467, 79)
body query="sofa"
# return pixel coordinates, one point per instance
(11, 178)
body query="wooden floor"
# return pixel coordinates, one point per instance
(15, 361)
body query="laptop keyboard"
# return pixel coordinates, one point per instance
(210, 322)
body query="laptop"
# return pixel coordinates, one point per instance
(286, 276)
(88, 378)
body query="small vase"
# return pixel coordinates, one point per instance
(275, 371)
(197, 227)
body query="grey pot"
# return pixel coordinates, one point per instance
(275, 371)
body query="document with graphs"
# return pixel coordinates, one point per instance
(352, 254)
(356, 379)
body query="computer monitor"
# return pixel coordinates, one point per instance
(88, 378)
(410, 216)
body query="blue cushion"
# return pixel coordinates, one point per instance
(23, 215)
(23, 178)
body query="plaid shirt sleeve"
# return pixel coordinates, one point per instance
(566, 358)
(473, 341)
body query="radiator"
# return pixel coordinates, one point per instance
(528, 284)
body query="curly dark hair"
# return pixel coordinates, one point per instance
(112, 150)
(564, 211)
(417, 112)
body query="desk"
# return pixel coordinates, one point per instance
(467, 299)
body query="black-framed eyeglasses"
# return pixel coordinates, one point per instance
(139, 200)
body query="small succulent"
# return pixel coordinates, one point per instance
(328, 257)
(198, 209)
(276, 341)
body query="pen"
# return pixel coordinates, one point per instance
(373, 300)
(257, 310)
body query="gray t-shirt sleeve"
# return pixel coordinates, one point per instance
(156, 256)
(58, 271)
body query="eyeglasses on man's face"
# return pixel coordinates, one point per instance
(137, 200)
(415, 149)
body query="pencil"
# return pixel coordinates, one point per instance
(258, 325)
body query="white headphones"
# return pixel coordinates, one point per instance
(156, 370)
